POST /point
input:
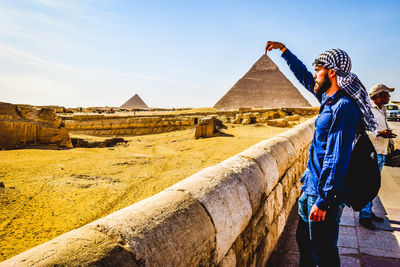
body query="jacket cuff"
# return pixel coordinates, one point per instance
(285, 53)
(322, 204)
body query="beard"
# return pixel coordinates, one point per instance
(322, 86)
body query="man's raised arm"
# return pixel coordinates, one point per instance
(296, 66)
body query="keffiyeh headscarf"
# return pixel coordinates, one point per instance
(340, 62)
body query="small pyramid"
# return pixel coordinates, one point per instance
(263, 86)
(134, 102)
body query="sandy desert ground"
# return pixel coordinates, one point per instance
(50, 192)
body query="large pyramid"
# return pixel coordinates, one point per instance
(263, 86)
(134, 102)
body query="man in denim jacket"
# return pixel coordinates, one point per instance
(345, 108)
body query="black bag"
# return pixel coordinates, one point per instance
(363, 177)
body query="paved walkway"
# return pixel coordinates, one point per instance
(357, 246)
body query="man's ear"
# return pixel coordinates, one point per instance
(332, 73)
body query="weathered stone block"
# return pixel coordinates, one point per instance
(81, 247)
(229, 260)
(267, 163)
(246, 121)
(293, 117)
(277, 122)
(282, 150)
(167, 229)
(281, 221)
(226, 200)
(249, 172)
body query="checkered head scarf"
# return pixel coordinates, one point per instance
(340, 62)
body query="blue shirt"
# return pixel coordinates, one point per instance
(331, 146)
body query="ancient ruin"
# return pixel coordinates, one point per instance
(210, 126)
(263, 86)
(134, 102)
(26, 125)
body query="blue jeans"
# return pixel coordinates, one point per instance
(317, 241)
(366, 212)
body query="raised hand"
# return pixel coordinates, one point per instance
(273, 45)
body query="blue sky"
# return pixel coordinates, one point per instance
(179, 53)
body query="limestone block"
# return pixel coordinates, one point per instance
(249, 172)
(285, 183)
(270, 242)
(278, 122)
(273, 205)
(120, 124)
(294, 193)
(224, 119)
(281, 221)
(80, 247)
(226, 200)
(229, 260)
(238, 118)
(261, 120)
(70, 124)
(268, 166)
(246, 115)
(168, 229)
(268, 115)
(269, 210)
(204, 130)
(282, 150)
(246, 121)
(290, 177)
(187, 122)
(293, 117)
(278, 199)
(147, 130)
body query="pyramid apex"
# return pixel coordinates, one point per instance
(265, 63)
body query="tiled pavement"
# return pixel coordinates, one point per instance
(357, 246)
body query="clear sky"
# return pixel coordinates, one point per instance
(179, 53)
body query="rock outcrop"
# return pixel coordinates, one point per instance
(263, 86)
(21, 126)
(111, 142)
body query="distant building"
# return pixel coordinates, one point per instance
(135, 102)
(263, 86)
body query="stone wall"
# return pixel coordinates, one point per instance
(114, 125)
(109, 125)
(230, 214)
(21, 126)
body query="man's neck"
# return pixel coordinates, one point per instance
(332, 90)
(378, 103)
